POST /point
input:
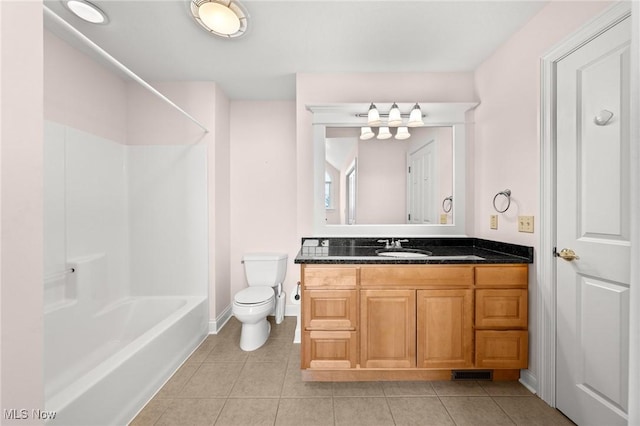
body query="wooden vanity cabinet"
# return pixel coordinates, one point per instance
(406, 322)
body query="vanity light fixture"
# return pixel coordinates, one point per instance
(373, 116)
(384, 133)
(402, 133)
(224, 18)
(366, 133)
(395, 118)
(86, 11)
(415, 117)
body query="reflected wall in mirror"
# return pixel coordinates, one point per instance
(388, 181)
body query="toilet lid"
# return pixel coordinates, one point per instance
(253, 295)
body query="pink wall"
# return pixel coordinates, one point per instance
(506, 139)
(21, 208)
(381, 181)
(506, 144)
(73, 82)
(151, 121)
(263, 185)
(220, 256)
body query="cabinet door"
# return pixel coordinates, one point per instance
(445, 328)
(502, 308)
(387, 328)
(329, 349)
(330, 309)
(502, 349)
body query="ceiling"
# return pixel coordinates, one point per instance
(158, 40)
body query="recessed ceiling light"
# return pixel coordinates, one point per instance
(87, 11)
(224, 18)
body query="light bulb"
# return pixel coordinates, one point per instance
(366, 133)
(415, 117)
(373, 116)
(384, 133)
(395, 118)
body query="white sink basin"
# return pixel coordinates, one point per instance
(407, 253)
(404, 253)
(463, 257)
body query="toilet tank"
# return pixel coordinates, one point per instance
(265, 269)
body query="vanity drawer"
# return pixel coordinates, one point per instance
(501, 308)
(502, 276)
(330, 309)
(330, 349)
(502, 349)
(451, 276)
(323, 276)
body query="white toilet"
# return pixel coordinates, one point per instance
(265, 273)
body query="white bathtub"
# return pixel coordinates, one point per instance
(101, 368)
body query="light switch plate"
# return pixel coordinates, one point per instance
(494, 221)
(525, 224)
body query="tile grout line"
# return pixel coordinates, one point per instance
(445, 408)
(502, 409)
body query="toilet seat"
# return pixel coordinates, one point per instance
(254, 296)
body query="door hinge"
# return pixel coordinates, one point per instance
(409, 169)
(409, 216)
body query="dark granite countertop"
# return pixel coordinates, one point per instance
(444, 251)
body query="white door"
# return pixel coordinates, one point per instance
(421, 178)
(593, 220)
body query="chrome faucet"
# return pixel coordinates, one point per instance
(393, 243)
(387, 244)
(398, 243)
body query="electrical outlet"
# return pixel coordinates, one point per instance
(525, 224)
(494, 221)
(444, 219)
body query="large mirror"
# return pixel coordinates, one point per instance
(389, 181)
(409, 187)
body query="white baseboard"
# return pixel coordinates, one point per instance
(294, 311)
(529, 381)
(220, 321)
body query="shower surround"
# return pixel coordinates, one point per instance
(125, 271)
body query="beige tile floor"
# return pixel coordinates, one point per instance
(222, 385)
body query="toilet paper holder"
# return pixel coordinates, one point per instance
(297, 295)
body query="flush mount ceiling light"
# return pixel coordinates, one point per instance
(86, 11)
(224, 18)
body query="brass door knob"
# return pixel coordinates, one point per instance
(568, 254)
